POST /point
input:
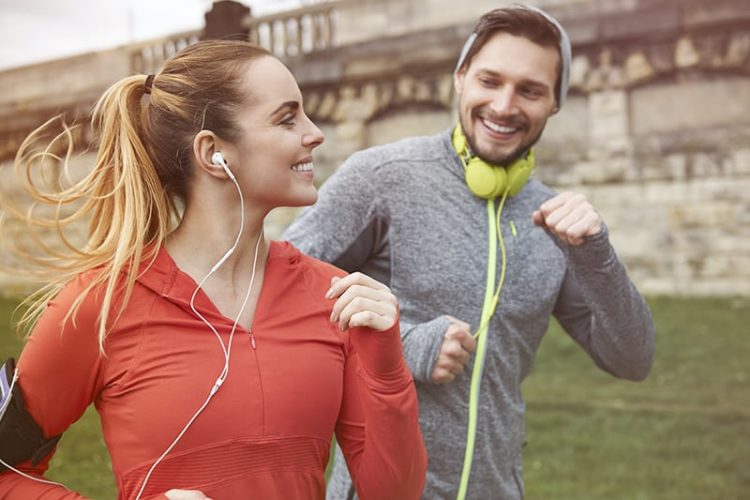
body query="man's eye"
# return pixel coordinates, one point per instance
(532, 93)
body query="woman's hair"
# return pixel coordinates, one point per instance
(130, 198)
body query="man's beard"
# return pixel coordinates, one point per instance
(504, 160)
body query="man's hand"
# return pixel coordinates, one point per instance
(570, 217)
(458, 344)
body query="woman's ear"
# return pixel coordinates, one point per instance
(205, 144)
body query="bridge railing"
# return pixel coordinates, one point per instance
(148, 57)
(285, 34)
(295, 32)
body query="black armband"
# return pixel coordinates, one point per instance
(21, 438)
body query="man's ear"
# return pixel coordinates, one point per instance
(458, 80)
(205, 144)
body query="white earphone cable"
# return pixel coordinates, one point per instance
(226, 349)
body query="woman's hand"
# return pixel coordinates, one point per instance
(362, 302)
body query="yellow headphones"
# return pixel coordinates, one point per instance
(490, 181)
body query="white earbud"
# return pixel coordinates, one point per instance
(218, 159)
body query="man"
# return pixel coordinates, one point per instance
(407, 214)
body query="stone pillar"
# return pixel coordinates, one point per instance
(226, 20)
(610, 147)
(353, 111)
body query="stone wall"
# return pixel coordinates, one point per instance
(656, 130)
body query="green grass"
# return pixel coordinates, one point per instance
(81, 461)
(682, 434)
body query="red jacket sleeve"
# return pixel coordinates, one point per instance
(378, 425)
(58, 373)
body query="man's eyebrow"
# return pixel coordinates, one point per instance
(495, 74)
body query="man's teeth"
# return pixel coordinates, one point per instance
(499, 128)
(303, 167)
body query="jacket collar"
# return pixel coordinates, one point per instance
(163, 277)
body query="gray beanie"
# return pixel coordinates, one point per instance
(565, 50)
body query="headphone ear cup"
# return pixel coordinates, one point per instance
(501, 176)
(460, 143)
(519, 173)
(485, 180)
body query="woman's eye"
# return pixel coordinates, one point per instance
(288, 120)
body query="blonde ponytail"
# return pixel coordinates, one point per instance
(142, 171)
(122, 200)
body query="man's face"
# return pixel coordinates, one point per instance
(505, 96)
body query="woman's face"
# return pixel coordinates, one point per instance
(273, 159)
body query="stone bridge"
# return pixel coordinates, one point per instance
(656, 131)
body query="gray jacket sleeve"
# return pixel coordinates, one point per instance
(330, 229)
(348, 227)
(422, 344)
(600, 308)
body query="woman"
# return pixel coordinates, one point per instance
(220, 363)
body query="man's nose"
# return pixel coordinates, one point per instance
(504, 101)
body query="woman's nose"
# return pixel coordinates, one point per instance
(314, 137)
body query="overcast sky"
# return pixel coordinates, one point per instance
(39, 30)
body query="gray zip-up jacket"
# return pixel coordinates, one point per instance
(402, 213)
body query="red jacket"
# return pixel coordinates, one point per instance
(266, 433)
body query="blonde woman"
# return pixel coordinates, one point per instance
(220, 363)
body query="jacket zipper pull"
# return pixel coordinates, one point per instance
(252, 339)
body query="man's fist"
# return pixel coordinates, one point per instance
(458, 344)
(570, 217)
